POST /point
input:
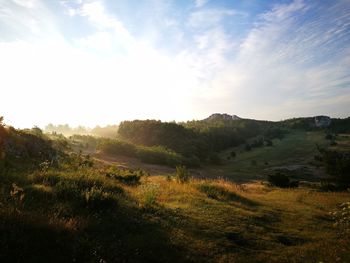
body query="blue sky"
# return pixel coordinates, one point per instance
(101, 61)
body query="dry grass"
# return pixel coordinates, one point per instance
(264, 225)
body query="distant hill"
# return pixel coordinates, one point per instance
(319, 122)
(222, 116)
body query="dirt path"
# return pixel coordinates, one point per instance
(133, 163)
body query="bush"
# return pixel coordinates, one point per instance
(149, 194)
(159, 155)
(233, 154)
(125, 176)
(130, 179)
(97, 199)
(117, 147)
(182, 175)
(279, 180)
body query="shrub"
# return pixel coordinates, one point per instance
(247, 147)
(279, 180)
(117, 147)
(86, 161)
(233, 154)
(159, 155)
(149, 194)
(130, 179)
(125, 176)
(182, 175)
(97, 199)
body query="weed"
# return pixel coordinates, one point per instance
(149, 194)
(182, 174)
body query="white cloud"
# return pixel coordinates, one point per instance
(278, 72)
(200, 3)
(47, 79)
(26, 3)
(25, 18)
(211, 17)
(109, 74)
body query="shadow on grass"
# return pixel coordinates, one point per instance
(221, 194)
(108, 226)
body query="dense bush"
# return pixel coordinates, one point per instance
(117, 147)
(159, 155)
(126, 176)
(279, 180)
(25, 147)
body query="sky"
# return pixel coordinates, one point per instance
(89, 62)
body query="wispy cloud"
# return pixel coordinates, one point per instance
(200, 3)
(211, 17)
(279, 62)
(172, 61)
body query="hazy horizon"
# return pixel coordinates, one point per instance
(99, 62)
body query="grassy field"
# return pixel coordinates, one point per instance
(86, 216)
(103, 214)
(295, 149)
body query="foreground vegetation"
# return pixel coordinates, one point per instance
(90, 215)
(59, 203)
